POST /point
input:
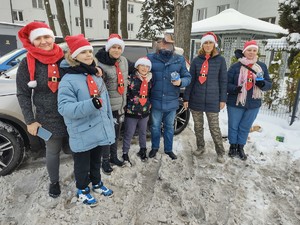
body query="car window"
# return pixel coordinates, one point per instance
(18, 59)
(10, 54)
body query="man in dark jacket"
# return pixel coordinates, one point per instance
(169, 74)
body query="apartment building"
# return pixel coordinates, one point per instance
(265, 10)
(15, 13)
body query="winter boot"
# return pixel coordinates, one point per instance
(152, 153)
(171, 155)
(54, 190)
(126, 159)
(143, 154)
(232, 150)
(220, 158)
(85, 197)
(115, 161)
(101, 189)
(106, 168)
(240, 151)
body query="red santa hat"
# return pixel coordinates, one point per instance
(114, 39)
(250, 44)
(143, 61)
(36, 29)
(77, 44)
(209, 36)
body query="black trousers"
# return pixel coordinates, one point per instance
(87, 166)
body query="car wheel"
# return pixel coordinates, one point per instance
(11, 148)
(182, 118)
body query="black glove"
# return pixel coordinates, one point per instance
(97, 103)
(260, 83)
(238, 53)
(238, 89)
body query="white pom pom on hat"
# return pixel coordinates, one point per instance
(114, 39)
(143, 61)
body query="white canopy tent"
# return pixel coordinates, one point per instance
(233, 29)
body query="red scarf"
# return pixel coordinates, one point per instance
(120, 79)
(46, 57)
(143, 91)
(249, 83)
(93, 88)
(204, 70)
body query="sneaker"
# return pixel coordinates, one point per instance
(101, 189)
(85, 197)
(152, 153)
(143, 154)
(114, 160)
(54, 190)
(106, 168)
(220, 159)
(171, 155)
(199, 151)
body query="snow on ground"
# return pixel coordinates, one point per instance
(265, 189)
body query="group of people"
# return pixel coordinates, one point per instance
(83, 99)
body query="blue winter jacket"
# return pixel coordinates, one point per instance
(87, 126)
(206, 97)
(233, 76)
(164, 95)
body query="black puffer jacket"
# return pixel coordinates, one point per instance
(206, 97)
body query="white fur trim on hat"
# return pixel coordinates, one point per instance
(250, 46)
(114, 41)
(143, 61)
(40, 32)
(32, 84)
(208, 38)
(82, 48)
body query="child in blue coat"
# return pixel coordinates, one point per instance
(83, 101)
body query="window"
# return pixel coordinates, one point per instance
(221, 8)
(201, 14)
(77, 21)
(88, 22)
(106, 24)
(76, 2)
(130, 26)
(105, 4)
(269, 19)
(130, 8)
(54, 16)
(38, 4)
(88, 3)
(18, 15)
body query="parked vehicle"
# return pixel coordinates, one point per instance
(12, 58)
(14, 138)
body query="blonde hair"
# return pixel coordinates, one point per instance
(214, 52)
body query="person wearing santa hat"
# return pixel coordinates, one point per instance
(247, 80)
(207, 93)
(83, 101)
(138, 107)
(115, 69)
(37, 81)
(169, 75)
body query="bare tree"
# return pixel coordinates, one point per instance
(124, 19)
(113, 12)
(81, 17)
(183, 24)
(49, 15)
(61, 17)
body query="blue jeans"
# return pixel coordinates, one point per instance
(167, 118)
(240, 121)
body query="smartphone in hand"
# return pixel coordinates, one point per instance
(44, 134)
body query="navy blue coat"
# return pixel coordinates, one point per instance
(233, 76)
(206, 97)
(164, 95)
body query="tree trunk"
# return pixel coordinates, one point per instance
(113, 11)
(124, 19)
(49, 15)
(183, 25)
(61, 17)
(81, 17)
